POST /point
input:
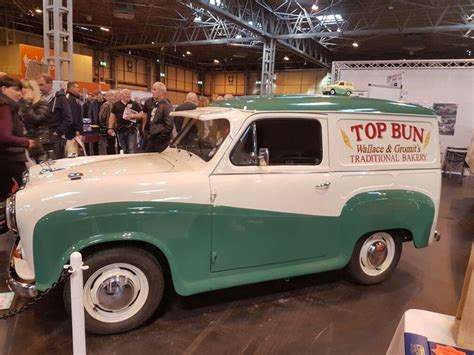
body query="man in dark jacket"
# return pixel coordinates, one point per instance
(59, 119)
(75, 103)
(159, 123)
(189, 104)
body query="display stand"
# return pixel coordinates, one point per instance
(424, 332)
(77, 303)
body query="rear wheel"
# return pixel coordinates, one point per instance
(348, 93)
(332, 92)
(123, 288)
(375, 257)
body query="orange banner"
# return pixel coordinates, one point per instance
(34, 53)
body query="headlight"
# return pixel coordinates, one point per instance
(10, 213)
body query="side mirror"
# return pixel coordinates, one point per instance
(263, 157)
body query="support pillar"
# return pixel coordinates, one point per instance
(268, 66)
(57, 28)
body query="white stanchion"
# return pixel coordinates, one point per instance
(77, 304)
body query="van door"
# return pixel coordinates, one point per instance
(279, 212)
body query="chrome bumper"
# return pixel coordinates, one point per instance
(22, 289)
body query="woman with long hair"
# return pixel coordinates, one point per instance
(13, 144)
(34, 112)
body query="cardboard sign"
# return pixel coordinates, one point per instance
(6, 299)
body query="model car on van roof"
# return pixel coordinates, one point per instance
(339, 88)
(253, 189)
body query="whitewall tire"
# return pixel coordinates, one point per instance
(123, 288)
(375, 257)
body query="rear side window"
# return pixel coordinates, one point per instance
(289, 142)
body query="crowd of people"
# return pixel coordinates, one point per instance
(38, 123)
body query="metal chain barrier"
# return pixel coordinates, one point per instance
(65, 274)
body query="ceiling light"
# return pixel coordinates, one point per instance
(152, 42)
(315, 7)
(250, 23)
(106, 29)
(216, 61)
(38, 10)
(238, 36)
(162, 75)
(355, 44)
(286, 58)
(157, 60)
(184, 55)
(199, 82)
(197, 19)
(390, 7)
(188, 52)
(338, 29)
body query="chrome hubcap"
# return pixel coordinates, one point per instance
(115, 292)
(377, 254)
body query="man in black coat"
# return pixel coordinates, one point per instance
(59, 118)
(189, 104)
(75, 103)
(158, 122)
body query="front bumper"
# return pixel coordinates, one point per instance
(22, 289)
(15, 283)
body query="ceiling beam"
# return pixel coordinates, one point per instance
(262, 22)
(381, 31)
(188, 43)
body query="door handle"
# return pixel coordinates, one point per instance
(324, 185)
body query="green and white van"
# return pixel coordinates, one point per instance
(339, 88)
(253, 189)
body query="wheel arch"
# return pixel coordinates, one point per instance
(408, 214)
(92, 244)
(140, 244)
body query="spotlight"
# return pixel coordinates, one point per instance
(286, 58)
(315, 7)
(188, 53)
(105, 29)
(216, 61)
(38, 10)
(355, 44)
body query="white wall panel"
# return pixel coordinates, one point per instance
(428, 86)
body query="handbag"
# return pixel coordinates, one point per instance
(71, 149)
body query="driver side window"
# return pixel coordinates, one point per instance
(289, 142)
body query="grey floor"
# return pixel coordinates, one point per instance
(317, 314)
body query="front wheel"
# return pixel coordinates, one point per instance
(374, 258)
(332, 92)
(123, 288)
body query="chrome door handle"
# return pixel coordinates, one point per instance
(323, 185)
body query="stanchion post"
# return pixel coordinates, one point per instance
(77, 304)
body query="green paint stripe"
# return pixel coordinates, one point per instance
(251, 245)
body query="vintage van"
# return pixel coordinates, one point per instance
(253, 189)
(339, 88)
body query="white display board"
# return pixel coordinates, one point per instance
(385, 92)
(427, 86)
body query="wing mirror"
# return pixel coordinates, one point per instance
(263, 157)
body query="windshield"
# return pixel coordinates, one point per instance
(202, 138)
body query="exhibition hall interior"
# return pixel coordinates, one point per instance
(237, 177)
